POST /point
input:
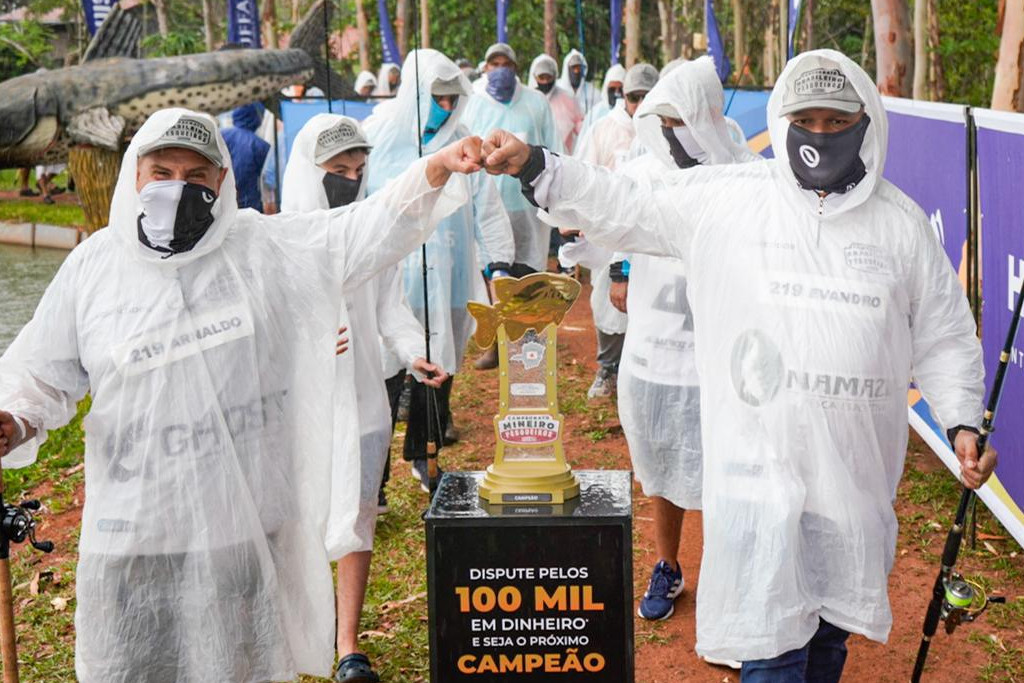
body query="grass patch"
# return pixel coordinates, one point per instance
(24, 211)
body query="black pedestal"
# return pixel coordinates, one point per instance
(533, 592)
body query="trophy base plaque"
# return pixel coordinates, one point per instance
(529, 483)
(534, 592)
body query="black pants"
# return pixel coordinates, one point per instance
(394, 387)
(416, 427)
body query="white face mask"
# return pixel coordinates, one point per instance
(175, 214)
(690, 144)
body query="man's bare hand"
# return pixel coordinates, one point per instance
(10, 434)
(504, 153)
(974, 471)
(342, 346)
(617, 294)
(434, 375)
(569, 232)
(461, 156)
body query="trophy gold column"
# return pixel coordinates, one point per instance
(529, 460)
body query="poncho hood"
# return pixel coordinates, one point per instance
(302, 172)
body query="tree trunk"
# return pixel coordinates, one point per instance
(364, 37)
(551, 28)
(739, 45)
(865, 46)
(208, 29)
(807, 37)
(937, 86)
(920, 49)
(892, 47)
(770, 45)
(632, 32)
(270, 19)
(783, 33)
(1008, 91)
(684, 36)
(665, 19)
(161, 16)
(402, 26)
(424, 24)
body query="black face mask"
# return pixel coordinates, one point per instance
(545, 87)
(679, 155)
(192, 218)
(612, 96)
(827, 162)
(341, 191)
(575, 78)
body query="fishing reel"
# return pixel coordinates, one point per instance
(964, 602)
(19, 524)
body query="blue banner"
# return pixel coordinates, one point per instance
(95, 12)
(716, 48)
(615, 17)
(244, 23)
(502, 21)
(388, 46)
(794, 16)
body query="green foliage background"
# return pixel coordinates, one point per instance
(464, 28)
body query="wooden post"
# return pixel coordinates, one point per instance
(783, 34)
(738, 37)
(424, 24)
(208, 25)
(1008, 91)
(364, 37)
(8, 639)
(402, 27)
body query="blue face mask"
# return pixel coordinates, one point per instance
(435, 119)
(501, 84)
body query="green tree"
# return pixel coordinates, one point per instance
(24, 47)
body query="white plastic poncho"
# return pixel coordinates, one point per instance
(607, 145)
(615, 74)
(567, 114)
(586, 95)
(383, 88)
(365, 78)
(658, 394)
(453, 277)
(207, 454)
(376, 308)
(811, 316)
(529, 118)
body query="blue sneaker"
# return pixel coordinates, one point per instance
(666, 585)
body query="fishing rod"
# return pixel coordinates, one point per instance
(433, 413)
(16, 525)
(954, 597)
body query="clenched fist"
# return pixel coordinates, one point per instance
(504, 153)
(461, 156)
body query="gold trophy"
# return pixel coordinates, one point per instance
(529, 461)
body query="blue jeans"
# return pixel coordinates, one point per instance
(819, 661)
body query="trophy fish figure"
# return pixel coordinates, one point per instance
(529, 460)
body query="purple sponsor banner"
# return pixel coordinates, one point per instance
(615, 19)
(927, 159)
(244, 23)
(1000, 141)
(502, 8)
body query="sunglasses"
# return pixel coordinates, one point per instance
(636, 97)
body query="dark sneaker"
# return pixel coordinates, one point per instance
(451, 434)
(666, 585)
(489, 359)
(355, 668)
(48, 200)
(604, 384)
(382, 502)
(421, 473)
(27, 192)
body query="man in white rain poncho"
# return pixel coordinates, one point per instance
(680, 121)
(611, 97)
(205, 335)
(366, 83)
(327, 170)
(500, 101)
(574, 79)
(437, 102)
(817, 294)
(567, 115)
(389, 77)
(608, 145)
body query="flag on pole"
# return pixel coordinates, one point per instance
(502, 21)
(716, 48)
(794, 15)
(616, 20)
(244, 23)
(95, 12)
(388, 46)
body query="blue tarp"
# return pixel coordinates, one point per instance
(749, 109)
